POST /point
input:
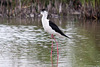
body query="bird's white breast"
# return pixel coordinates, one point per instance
(47, 28)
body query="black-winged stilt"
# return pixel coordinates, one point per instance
(52, 29)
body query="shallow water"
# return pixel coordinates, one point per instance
(23, 43)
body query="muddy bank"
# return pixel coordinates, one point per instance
(56, 8)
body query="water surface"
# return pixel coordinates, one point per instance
(23, 43)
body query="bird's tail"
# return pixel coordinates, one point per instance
(67, 36)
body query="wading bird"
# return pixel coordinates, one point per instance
(52, 29)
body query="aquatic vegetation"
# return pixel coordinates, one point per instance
(30, 8)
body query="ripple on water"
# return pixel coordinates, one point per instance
(30, 46)
(18, 34)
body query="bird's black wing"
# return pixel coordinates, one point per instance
(55, 27)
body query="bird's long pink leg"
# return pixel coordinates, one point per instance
(57, 50)
(52, 49)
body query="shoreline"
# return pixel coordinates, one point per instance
(87, 10)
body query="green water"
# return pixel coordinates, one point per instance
(23, 43)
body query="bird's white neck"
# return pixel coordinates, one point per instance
(45, 21)
(44, 17)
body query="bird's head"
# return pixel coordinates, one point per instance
(44, 12)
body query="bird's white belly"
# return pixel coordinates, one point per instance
(49, 30)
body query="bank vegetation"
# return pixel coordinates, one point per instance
(88, 9)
